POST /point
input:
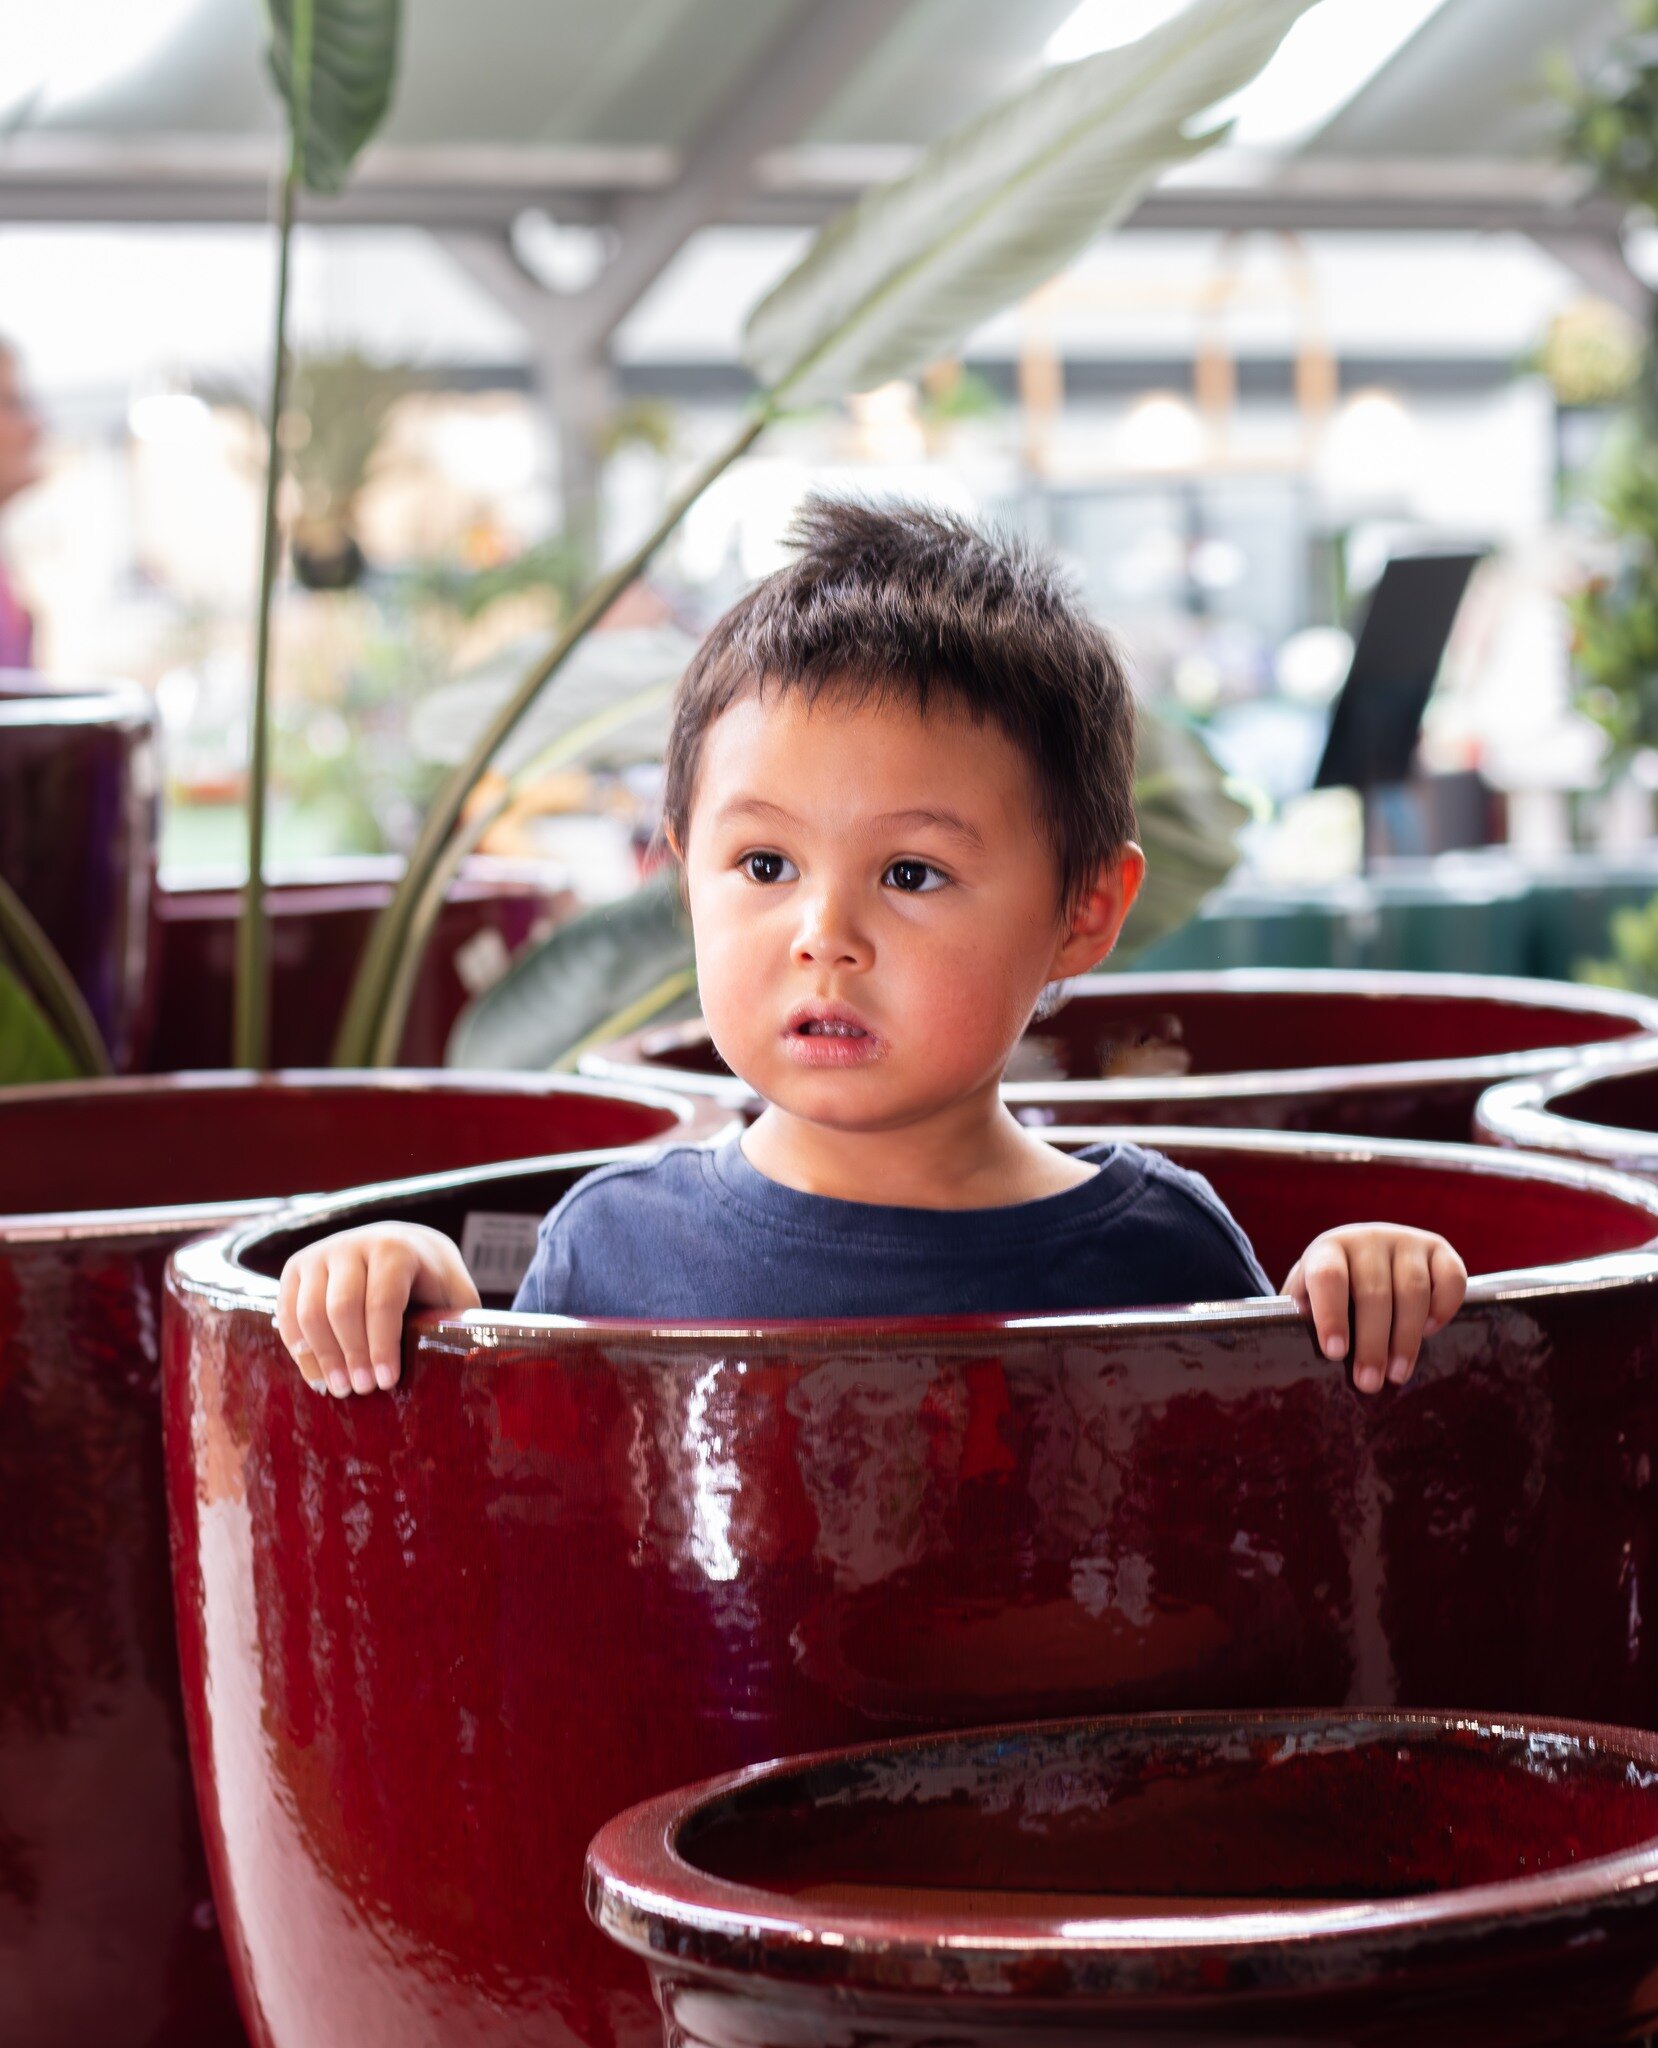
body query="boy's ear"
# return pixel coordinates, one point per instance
(1093, 928)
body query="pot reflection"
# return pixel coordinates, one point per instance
(106, 1927)
(431, 1641)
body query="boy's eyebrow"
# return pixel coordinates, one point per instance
(943, 821)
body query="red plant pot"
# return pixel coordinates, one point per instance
(79, 787)
(107, 1939)
(319, 923)
(1408, 1881)
(1602, 1109)
(1377, 1055)
(432, 1640)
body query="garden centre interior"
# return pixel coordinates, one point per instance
(395, 397)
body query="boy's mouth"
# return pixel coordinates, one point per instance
(832, 1031)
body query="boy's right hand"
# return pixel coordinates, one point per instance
(340, 1303)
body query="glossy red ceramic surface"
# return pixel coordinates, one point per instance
(107, 1935)
(79, 785)
(432, 1640)
(1377, 1055)
(318, 925)
(1404, 1881)
(1603, 1108)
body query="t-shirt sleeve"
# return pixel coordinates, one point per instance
(1223, 1265)
(545, 1288)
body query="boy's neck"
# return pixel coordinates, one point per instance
(974, 1155)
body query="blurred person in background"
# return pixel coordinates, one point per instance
(20, 466)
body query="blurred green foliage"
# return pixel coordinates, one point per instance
(1634, 962)
(1611, 130)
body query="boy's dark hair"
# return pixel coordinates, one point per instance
(909, 603)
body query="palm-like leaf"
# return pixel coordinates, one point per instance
(991, 211)
(47, 1033)
(334, 62)
(583, 984)
(1188, 825)
(30, 1050)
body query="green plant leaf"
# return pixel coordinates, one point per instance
(992, 210)
(30, 1050)
(334, 63)
(610, 970)
(45, 999)
(1188, 825)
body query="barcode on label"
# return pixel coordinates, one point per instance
(498, 1249)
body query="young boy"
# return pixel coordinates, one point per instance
(900, 788)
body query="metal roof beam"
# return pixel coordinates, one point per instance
(812, 52)
(49, 179)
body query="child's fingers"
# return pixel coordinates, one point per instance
(1296, 1286)
(344, 1298)
(1325, 1278)
(1412, 1299)
(1371, 1269)
(1449, 1280)
(287, 1328)
(390, 1274)
(311, 1307)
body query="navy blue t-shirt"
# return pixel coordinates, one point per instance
(695, 1232)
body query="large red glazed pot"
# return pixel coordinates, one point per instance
(320, 918)
(1377, 1055)
(1400, 1880)
(107, 1937)
(432, 1640)
(1602, 1108)
(79, 788)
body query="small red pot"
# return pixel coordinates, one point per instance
(79, 789)
(319, 922)
(107, 1935)
(1602, 1108)
(1376, 1055)
(1400, 1880)
(431, 1641)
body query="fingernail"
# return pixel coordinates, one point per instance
(338, 1384)
(1335, 1347)
(1398, 1370)
(1368, 1380)
(385, 1376)
(362, 1379)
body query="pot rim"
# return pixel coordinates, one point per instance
(1523, 1114)
(626, 1057)
(28, 700)
(213, 1265)
(646, 1895)
(30, 1226)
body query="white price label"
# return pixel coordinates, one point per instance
(498, 1249)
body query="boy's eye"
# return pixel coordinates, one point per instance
(912, 877)
(768, 867)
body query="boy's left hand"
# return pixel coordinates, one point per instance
(1404, 1284)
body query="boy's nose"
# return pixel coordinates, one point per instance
(828, 937)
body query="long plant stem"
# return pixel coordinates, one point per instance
(48, 981)
(394, 1016)
(251, 1030)
(369, 1031)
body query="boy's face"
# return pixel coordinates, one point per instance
(875, 907)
